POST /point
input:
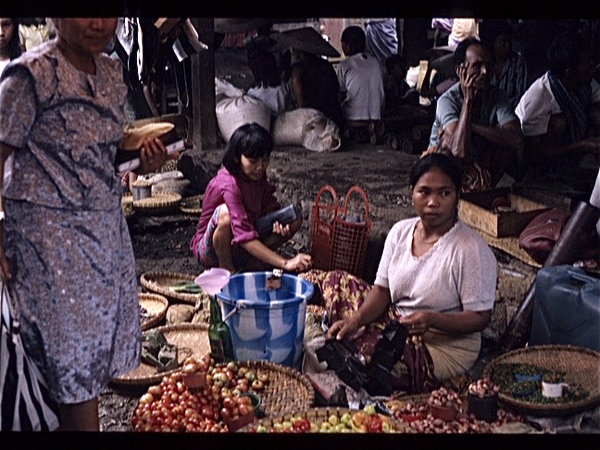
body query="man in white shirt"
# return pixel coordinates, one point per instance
(559, 111)
(361, 79)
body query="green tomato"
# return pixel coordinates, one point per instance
(261, 429)
(385, 427)
(340, 427)
(278, 426)
(333, 420)
(326, 427)
(286, 425)
(346, 418)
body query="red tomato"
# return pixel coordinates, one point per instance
(376, 425)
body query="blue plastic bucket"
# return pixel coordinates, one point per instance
(266, 324)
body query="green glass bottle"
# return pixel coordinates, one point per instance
(219, 334)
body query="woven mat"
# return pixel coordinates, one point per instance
(315, 415)
(192, 205)
(190, 339)
(156, 305)
(163, 282)
(582, 367)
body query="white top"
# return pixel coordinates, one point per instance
(458, 273)
(277, 98)
(361, 78)
(538, 103)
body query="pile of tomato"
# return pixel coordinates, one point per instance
(173, 406)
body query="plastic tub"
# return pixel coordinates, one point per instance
(266, 324)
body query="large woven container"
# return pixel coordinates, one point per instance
(156, 306)
(163, 283)
(582, 368)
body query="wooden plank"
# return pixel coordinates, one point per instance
(204, 119)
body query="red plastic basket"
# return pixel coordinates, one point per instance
(337, 241)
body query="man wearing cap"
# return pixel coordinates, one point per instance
(361, 79)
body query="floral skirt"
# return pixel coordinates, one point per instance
(343, 294)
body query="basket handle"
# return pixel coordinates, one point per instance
(328, 188)
(357, 189)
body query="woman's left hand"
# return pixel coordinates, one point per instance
(417, 323)
(282, 230)
(153, 156)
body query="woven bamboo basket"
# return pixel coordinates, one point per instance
(317, 416)
(162, 283)
(164, 203)
(287, 390)
(127, 205)
(192, 205)
(156, 306)
(190, 339)
(582, 368)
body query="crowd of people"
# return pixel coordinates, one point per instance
(65, 247)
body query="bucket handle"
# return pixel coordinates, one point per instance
(240, 304)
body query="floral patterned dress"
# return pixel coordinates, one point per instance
(73, 271)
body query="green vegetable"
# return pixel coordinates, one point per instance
(187, 286)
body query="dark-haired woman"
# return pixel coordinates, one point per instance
(268, 86)
(436, 276)
(10, 45)
(239, 194)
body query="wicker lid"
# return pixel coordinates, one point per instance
(156, 306)
(581, 365)
(190, 339)
(163, 283)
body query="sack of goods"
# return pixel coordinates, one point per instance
(234, 109)
(308, 128)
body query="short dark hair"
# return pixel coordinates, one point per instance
(250, 140)
(446, 164)
(355, 37)
(15, 48)
(565, 52)
(264, 68)
(460, 54)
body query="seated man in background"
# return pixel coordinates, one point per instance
(361, 79)
(474, 121)
(397, 91)
(559, 116)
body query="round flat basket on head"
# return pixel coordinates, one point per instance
(580, 365)
(192, 205)
(153, 309)
(190, 339)
(287, 390)
(163, 203)
(165, 283)
(317, 416)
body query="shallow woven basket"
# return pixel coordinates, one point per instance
(190, 339)
(581, 365)
(127, 205)
(162, 283)
(163, 203)
(192, 205)
(315, 415)
(156, 305)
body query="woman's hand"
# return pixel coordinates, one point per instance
(418, 323)
(343, 328)
(298, 263)
(282, 230)
(153, 156)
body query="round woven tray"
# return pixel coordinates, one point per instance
(156, 305)
(581, 365)
(163, 282)
(127, 205)
(158, 204)
(192, 205)
(190, 339)
(287, 390)
(317, 415)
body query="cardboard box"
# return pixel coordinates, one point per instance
(477, 210)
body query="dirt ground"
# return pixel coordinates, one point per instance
(161, 243)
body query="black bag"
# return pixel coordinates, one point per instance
(25, 403)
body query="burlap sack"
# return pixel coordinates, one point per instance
(234, 112)
(308, 128)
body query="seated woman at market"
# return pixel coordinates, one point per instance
(239, 194)
(436, 276)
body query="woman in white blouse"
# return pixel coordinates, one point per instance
(436, 276)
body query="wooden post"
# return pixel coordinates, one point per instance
(204, 119)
